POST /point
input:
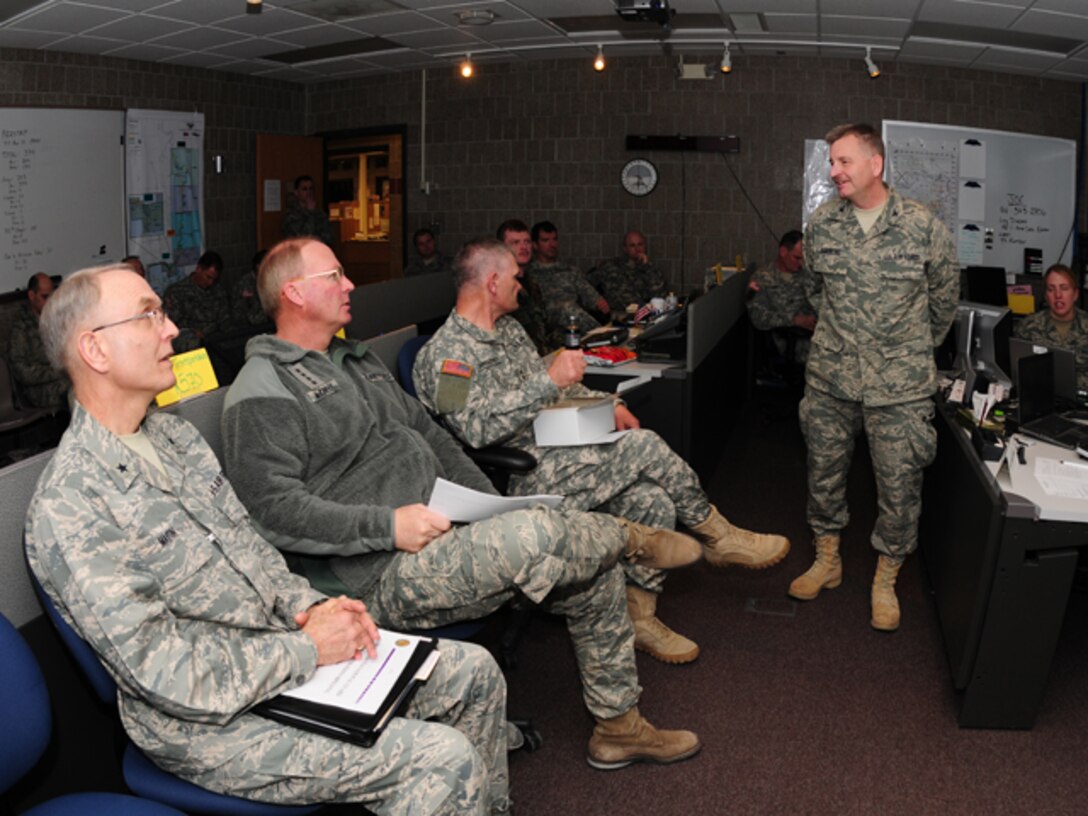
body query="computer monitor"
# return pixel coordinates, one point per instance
(986, 284)
(1065, 365)
(982, 335)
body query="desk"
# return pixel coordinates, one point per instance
(1001, 567)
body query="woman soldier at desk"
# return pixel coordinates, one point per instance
(1062, 323)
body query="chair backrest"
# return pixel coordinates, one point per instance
(93, 670)
(205, 412)
(406, 359)
(24, 707)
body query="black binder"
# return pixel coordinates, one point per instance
(345, 724)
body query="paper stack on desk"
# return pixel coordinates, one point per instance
(578, 421)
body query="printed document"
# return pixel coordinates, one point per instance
(463, 504)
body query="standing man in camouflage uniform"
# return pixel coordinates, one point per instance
(885, 287)
(336, 463)
(39, 384)
(480, 375)
(1062, 324)
(304, 217)
(630, 278)
(429, 260)
(777, 294)
(567, 294)
(146, 551)
(199, 304)
(532, 311)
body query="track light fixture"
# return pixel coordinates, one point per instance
(726, 65)
(598, 63)
(254, 6)
(874, 72)
(466, 67)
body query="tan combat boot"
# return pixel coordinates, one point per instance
(825, 572)
(619, 741)
(658, 548)
(885, 604)
(724, 544)
(651, 635)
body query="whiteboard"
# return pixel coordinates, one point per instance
(998, 193)
(62, 182)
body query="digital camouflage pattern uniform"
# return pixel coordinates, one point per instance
(439, 263)
(884, 301)
(299, 222)
(622, 281)
(322, 449)
(246, 304)
(194, 310)
(781, 296)
(192, 614)
(566, 293)
(489, 386)
(1042, 328)
(41, 385)
(532, 314)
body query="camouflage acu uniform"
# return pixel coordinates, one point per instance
(246, 304)
(532, 314)
(566, 293)
(439, 263)
(622, 281)
(495, 388)
(884, 300)
(192, 614)
(195, 310)
(781, 296)
(41, 385)
(1042, 328)
(299, 222)
(322, 448)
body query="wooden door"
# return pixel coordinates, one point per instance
(280, 160)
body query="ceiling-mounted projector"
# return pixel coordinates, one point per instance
(646, 11)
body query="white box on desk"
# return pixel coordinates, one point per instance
(579, 421)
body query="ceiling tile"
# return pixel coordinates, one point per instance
(145, 51)
(68, 18)
(138, 27)
(85, 45)
(1056, 25)
(200, 38)
(14, 38)
(833, 25)
(969, 12)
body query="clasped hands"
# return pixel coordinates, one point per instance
(341, 629)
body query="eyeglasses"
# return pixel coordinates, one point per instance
(157, 317)
(336, 273)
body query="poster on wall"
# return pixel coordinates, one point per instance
(164, 155)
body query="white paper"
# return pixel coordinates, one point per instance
(972, 205)
(969, 245)
(463, 504)
(1062, 478)
(361, 685)
(607, 439)
(273, 200)
(972, 159)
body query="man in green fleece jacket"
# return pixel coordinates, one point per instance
(336, 463)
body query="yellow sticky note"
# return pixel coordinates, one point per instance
(1021, 299)
(194, 374)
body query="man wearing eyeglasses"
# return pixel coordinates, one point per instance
(336, 464)
(140, 541)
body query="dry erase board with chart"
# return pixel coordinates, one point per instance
(62, 180)
(998, 193)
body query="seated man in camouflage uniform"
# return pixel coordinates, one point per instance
(630, 278)
(567, 294)
(429, 259)
(532, 311)
(336, 463)
(777, 295)
(38, 383)
(1062, 324)
(480, 375)
(146, 551)
(199, 304)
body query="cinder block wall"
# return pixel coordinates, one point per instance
(545, 139)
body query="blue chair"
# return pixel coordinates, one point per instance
(28, 724)
(141, 775)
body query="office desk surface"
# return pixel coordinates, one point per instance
(1056, 465)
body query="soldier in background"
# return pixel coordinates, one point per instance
(532, 311)
(430, 260)
(629, 278)
(304, 217)
(777, 295)
(245, 304)
(146, 551)
(38, 384)
(1062, 324)
(568, 296)
(885, 286)
(480, 375)
(198, 304)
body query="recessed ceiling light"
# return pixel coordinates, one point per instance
(475, 17)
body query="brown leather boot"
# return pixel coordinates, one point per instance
(724, 544)
(885, 604)
(651, 635)
(825, 572)
(619, 741)
(658, 548)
